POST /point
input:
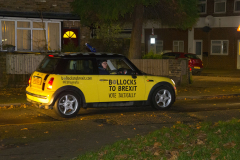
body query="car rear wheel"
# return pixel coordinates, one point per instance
(67, 105)
(162, 98)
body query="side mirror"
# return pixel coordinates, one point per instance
(134, 74)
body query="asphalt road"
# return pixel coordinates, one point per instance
(30, 133)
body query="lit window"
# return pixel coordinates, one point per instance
(178, 46)
(202, 6)
(38, 40)
(220, 6)
(69, 34)
(53, 36)
(38, 25)
(23, 40)
(8, 33)
(29, 39)
(21, 24)
(237, 5)
(219, 47)
(31, 36)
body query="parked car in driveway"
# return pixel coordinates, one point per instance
(194, 64)
(70, 81)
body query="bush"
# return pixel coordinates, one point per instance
(152, 55)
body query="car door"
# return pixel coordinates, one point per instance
(120, 84)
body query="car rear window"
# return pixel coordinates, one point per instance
(191, 56)
(48, 65)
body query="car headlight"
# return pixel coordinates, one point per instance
(173, 82)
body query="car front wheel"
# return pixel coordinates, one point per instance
(162, 98)
(67, 105)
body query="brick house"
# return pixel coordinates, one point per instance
(214, 38)
(29, 25)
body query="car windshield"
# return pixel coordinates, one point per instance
(194, 56)
(47, 65)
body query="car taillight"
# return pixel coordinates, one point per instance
(29, 81)
(190, 61)
(50, 82)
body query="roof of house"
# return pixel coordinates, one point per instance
(44, 15)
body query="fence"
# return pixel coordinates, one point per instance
(15, 69)
(22, 63)
(177, 69)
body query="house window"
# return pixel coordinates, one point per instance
(31, 36)
(159, 46)
(53, 37)
(69, 34)
(178, 46)
(219, 47)
(202, 6)
(23, 36)
(220, 6)
(8, 33)
(237, 5)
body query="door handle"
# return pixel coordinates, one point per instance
(103, 80)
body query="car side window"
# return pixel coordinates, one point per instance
(118, 67)
(177, 55)
(79, 67)
(169, 55)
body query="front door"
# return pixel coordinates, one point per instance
(238, 55)
(119, 82)
(70, 36)
(198, 48)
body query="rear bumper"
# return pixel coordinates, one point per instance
(196, 69)
(35, 96)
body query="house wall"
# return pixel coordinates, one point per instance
(219, 61)
(229, 9)
(62, 6)
(54, 6)
(167, 35)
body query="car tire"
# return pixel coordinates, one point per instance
(162, 98)
(67, 104)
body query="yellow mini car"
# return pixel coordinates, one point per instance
(67, 82)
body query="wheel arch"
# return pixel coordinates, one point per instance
(157, 86)
(68, 89)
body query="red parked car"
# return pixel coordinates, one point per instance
(194, 64)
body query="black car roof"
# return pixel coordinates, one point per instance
(86, 54)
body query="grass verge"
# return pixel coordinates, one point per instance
(181, 141)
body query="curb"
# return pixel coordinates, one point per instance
(207, 97)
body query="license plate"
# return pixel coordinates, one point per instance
(196, 67)
(37, 80)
